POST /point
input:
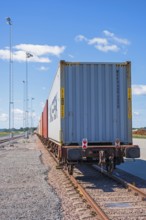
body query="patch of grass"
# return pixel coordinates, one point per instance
(139, 136)
(3, 133)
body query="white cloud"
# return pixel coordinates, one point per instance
(80, 38)
(21, 57)
(108, 33)
(31, 114)
(96, 40)
(106, 48)
(39, 52)
(18, 115)
(136, 113)
(71, 56)
(43, 68)
(4, 54)
(109, 43)
(102, 44)
(42, 104)
(18, 111)
(115, 38)
(139, 89)
(3, 117)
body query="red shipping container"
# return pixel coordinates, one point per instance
(45, 121)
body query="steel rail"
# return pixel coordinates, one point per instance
(4, 140)
(123, 182)
(7, 139)
(89, 199)
(137, 190)
(83, 192)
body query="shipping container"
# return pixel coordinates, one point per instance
(40, 129)
(45, 121)
(91, 100)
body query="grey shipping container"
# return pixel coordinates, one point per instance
(91, 100)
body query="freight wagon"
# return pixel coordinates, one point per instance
(88, 114)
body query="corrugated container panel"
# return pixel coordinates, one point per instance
(45, 121)
(94, 101)
(54, 119)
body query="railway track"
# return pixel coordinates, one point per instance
(130, 186)
(74, 205)
(4, 140)
(76, 189)
(118, 199)
(109, 196)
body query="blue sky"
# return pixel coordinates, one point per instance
(83, 30)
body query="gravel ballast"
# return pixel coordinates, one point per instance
(24, 191)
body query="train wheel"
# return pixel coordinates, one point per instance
(70, 169)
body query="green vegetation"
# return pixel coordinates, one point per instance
(3, 133)
(139, 136)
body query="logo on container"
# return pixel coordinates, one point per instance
(53, 109)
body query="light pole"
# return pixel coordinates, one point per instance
(24, 112)
(28, 55)
(32, 115)
(11, 120)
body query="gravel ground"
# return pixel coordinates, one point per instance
(24, 191)
(32, 188)
(72, 206)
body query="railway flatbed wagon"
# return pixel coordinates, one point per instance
(90, 114)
